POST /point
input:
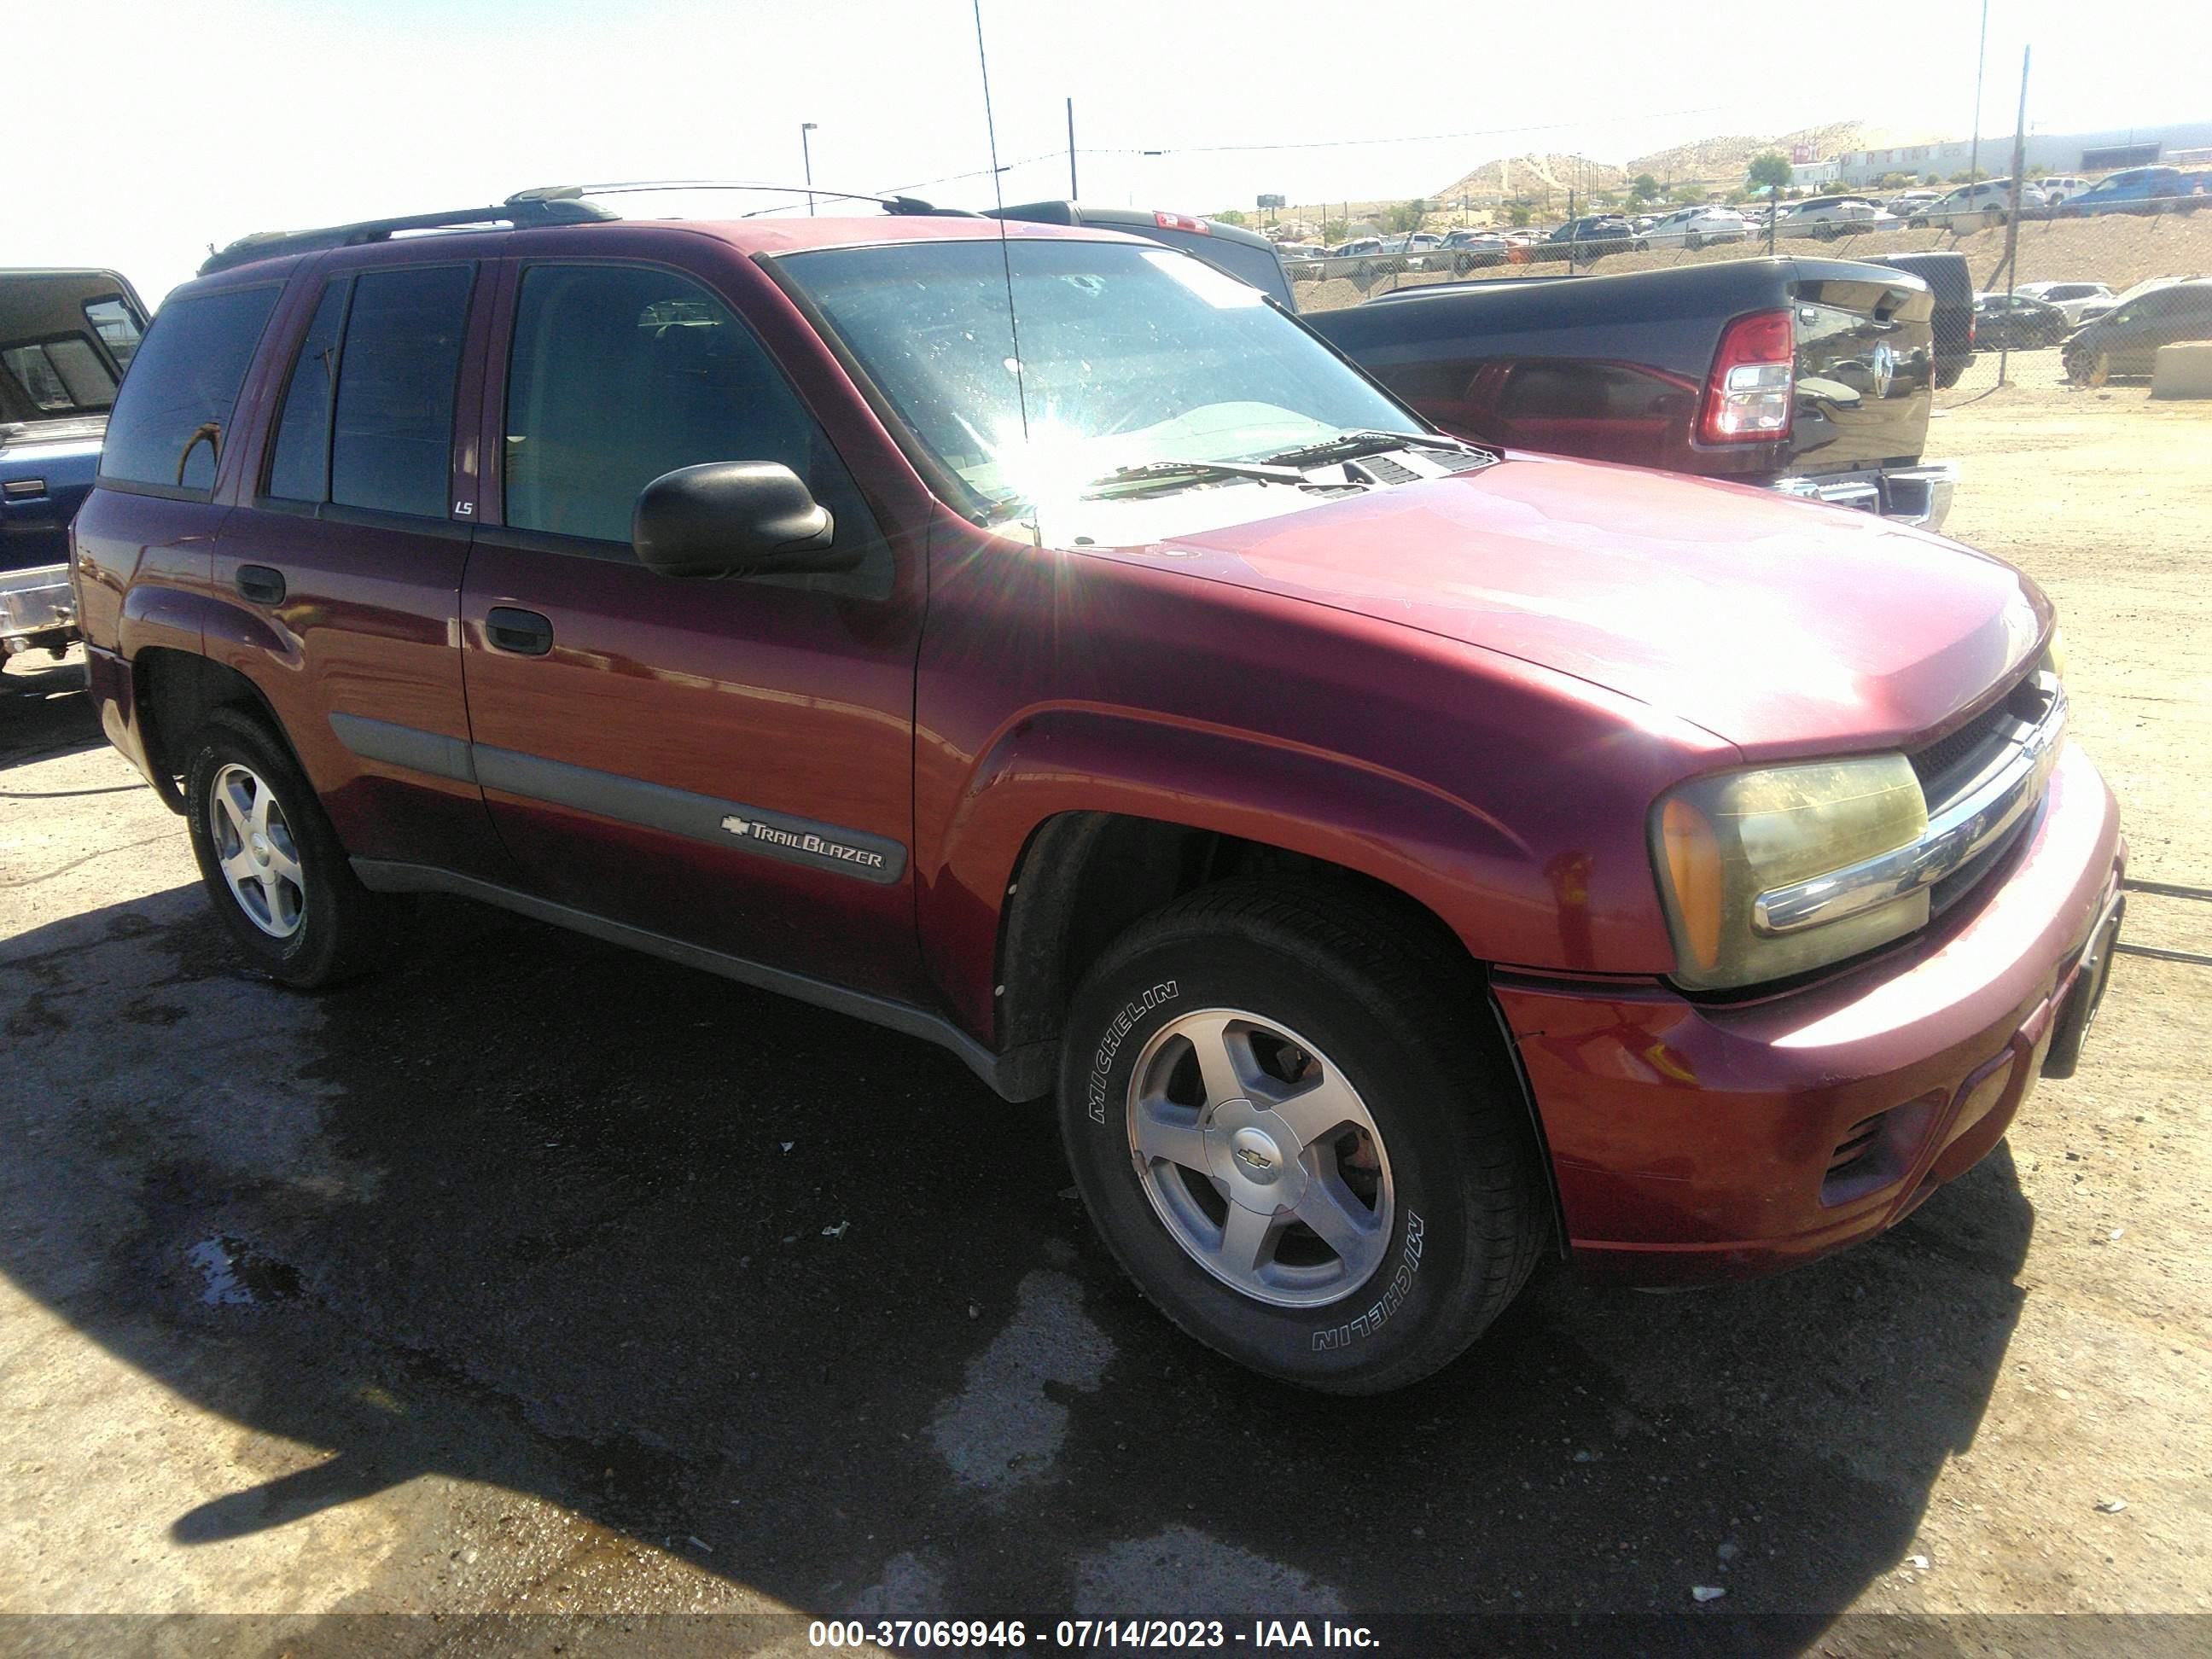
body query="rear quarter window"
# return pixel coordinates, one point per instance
(174, 415)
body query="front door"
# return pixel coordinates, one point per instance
(729, 763)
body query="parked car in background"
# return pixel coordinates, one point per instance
(1244, 254)
(2138, 189)
(1473, 250)
(2126, 339)
(2154, 189)
(1591, 237)
(1808, 375)
(1907, 204)
(2017, 322)
(1971, 207)
(1698, 226)
(1357, 247)
(2061, 187)
(1287, 251)
(1953, 284)
(2074, 299)
(66, 337)
(2096, 308)
(1830, 216)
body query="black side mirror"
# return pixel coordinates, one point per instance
(734, 519)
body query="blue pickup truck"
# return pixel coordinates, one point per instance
(65, 338)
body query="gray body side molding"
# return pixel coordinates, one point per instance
(827, 847)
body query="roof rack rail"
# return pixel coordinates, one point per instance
(525, 208)
(542, 204)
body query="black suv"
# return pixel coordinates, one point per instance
(1593, 237)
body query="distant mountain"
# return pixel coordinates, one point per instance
(1711, 162)
(1533, 175)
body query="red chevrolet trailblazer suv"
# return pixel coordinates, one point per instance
(1401, 859)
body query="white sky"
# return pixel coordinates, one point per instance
(171, 126)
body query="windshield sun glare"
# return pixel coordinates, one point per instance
(1128, 356)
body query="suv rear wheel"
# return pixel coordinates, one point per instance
(272, 864)
(1293, 1126)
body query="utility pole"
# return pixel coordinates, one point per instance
(1981, 62)
(2012, 216)
(806, 160)
(1071, 150)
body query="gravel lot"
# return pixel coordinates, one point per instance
(537, 1277)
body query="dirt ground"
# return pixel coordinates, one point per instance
(533, 1278)
(2118, 250)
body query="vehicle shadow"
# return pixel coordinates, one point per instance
(45, 710)
(710, 1268)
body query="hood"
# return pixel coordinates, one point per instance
(1783, 626)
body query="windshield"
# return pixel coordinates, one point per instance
(1129, 356)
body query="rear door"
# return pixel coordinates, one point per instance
(344, 564)
(727, 763)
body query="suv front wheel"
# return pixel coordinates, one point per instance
(1293, 1126)
(272, 862)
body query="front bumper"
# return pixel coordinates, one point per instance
(1694, 1141)
(1917, 496)
(36, 608)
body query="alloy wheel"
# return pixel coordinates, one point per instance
(1259, 1158)
(255, 849)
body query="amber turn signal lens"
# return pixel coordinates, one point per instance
(1693, 859)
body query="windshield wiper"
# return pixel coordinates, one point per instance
(1345, 446)
(1153, 471)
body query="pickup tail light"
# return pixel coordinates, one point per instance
(1753, 391)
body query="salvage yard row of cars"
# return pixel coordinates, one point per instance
(716, 590)
(2147, 190)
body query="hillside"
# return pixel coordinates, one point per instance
(1533, 175)
(1717, 161)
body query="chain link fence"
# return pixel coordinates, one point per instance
(2056, 302)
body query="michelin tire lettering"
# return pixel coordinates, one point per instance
(1117, 1031)
(1392, 1297)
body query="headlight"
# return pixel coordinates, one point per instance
(1719, 843)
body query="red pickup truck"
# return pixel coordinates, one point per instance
(1401, 857)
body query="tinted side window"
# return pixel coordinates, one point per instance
(391, 433)
(301, 468)
(174, 412)
(618, 374)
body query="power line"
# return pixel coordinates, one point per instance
(1411, 138)
(1291, 144)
